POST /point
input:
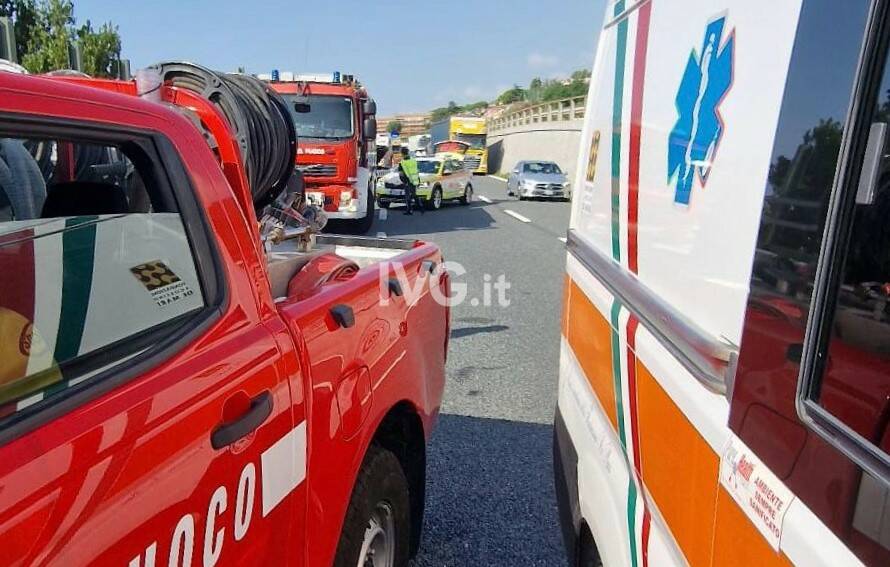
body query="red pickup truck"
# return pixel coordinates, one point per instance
(171, 391)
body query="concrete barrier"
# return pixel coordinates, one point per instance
(549, 141)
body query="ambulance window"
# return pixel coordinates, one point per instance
(846, 373)
(95, 264)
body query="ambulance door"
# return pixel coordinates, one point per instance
(805, 474)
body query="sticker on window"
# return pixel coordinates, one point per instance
(161, 282)
(759, 493)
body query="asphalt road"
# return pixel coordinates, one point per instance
(490, 496)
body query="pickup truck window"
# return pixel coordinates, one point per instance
(94, 261)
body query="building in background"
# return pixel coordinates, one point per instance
(412, 124)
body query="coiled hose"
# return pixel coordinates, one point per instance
(259, 117)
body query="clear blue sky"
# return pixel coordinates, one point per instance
(407, 53)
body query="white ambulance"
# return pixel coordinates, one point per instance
(724, 392)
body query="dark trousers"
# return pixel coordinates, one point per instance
(412, 198)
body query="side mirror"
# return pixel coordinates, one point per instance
(515, 172)
(302, 107)
(369, 108)
(370, 128)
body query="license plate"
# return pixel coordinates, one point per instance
(316, 199)
(397, 192)
(549, 192)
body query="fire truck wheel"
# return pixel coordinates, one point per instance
(377, 528)
(363, 224)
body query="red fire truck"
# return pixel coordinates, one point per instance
(175, 390)
(336, 124)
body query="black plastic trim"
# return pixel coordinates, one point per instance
(565, 479)
(343, 315)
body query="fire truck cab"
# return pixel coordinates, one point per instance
(336, 123)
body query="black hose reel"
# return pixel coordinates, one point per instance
(259, 116)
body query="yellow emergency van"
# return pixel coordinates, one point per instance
(724, 379)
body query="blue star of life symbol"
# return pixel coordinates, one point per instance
(696, 135)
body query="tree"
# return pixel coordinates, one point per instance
(394, 126)
(47, 48)
(45, 28)
(536, 83)
(581, 75)
(512, 95)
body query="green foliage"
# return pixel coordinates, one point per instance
(100, 49)
(394, 126)
(45, 28)
(515, 94)
(453, 108)
(47, 48)
(540, 90)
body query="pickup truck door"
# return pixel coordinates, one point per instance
(153, 421)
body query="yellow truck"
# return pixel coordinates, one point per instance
(470, 130)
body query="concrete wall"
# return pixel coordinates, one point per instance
(556, 141)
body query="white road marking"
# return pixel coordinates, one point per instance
(484, 199)
(496, 177)
(383, 214)
(562, 239)
(381, 235)
(517, 216)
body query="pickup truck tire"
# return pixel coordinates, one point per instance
(377, 528)
(435, 201)
(468, 195)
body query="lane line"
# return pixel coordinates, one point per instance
(381, 235)
(496, 177)
(517, 216)
(563, 239)
(383, 214)
(485, 199)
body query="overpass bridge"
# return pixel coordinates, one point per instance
(545, 131)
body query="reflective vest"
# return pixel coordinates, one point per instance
(409, 166)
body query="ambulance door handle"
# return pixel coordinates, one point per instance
(227, 433)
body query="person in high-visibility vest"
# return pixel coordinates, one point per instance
(411, 179)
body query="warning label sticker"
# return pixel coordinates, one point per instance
(760, 494)
(161, 282)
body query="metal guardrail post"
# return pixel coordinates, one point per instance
(7, 40)
(75, 56)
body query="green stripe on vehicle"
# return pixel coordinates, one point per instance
(78, 258)
(632, 518)
(617, 109)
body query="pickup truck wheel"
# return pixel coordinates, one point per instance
(468, 195)
(435, 201)
(377, 528)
